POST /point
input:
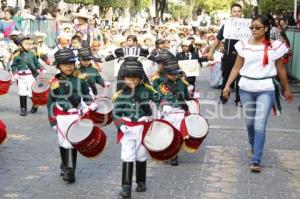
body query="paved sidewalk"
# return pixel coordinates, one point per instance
(29, 160)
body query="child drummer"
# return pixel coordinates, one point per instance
(25, 69)
(88, 72)
(175, 91)
(131, 112)
(67, 101)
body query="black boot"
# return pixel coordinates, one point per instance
(23, 105)
(34, 109)
(174, 161)
(63, 164)
(126, 179)
(141, 176)
(71, 157)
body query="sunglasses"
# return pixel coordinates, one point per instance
(256, 27)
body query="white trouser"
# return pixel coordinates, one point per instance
(63, 123)
(175, 117)
(132, 148)
(24, 85)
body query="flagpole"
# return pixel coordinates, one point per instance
(295, 9)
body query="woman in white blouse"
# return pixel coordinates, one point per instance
(259, 60)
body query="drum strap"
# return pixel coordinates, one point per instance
(30, 66)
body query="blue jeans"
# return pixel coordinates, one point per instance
(257, 107)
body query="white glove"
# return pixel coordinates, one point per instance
(125, 129)
(85, 110)
(145, 119)
(106, 84)
(190, 88)
(196, 95)
(167, 109)
(54, 128)
(93, 106)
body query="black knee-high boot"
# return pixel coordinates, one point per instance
(63, 164)
(126, 179)
(141, 168)
(71, 157)
(34, 108)
(23, 105)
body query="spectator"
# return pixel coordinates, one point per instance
(7, 25)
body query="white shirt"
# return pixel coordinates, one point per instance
(253, 64)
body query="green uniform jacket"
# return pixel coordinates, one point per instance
(134, 104)
(92, 76)
(175, 93)
(21, 62)
(157, 82)
(67, 93)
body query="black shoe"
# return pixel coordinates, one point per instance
(70, 161)
(23, 112)
(126, 191)
(127, 172)
(69, 175)
(34, 109)
(23, 105)
(141, 168)
(174, 161)
(141, 187)
(62, 170)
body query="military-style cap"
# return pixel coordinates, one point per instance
(64, 56)
(133, 69)
(85, 54)
(171, 67)
(21, 38)
(164, 56)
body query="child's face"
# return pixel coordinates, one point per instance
(67, 68)
(132, 82)
(130, 42)
(75, 44)
(172, 76)
(27, 44)
(167, 45)
(85, 63)
(7, 15)
(147, 42)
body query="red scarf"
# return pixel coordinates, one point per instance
(267, 43)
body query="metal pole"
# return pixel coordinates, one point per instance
(295, 9)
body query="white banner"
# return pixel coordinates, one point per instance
(190, 67)
(237, 28)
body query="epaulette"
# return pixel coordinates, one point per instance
(116, 95)
(54, 83)
(77, 73)
(154, 77)
(185, 82)
(150, 87)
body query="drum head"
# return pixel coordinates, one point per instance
(196, 125)
(80, 130)
(5, 76)
(159, 136)
(40, 86)
(105, 105)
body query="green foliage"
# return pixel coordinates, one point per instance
(114, 3)
(276, 6)
(212, 6)
(80, 1)
(178, 10)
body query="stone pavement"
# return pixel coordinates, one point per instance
(29, 160)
